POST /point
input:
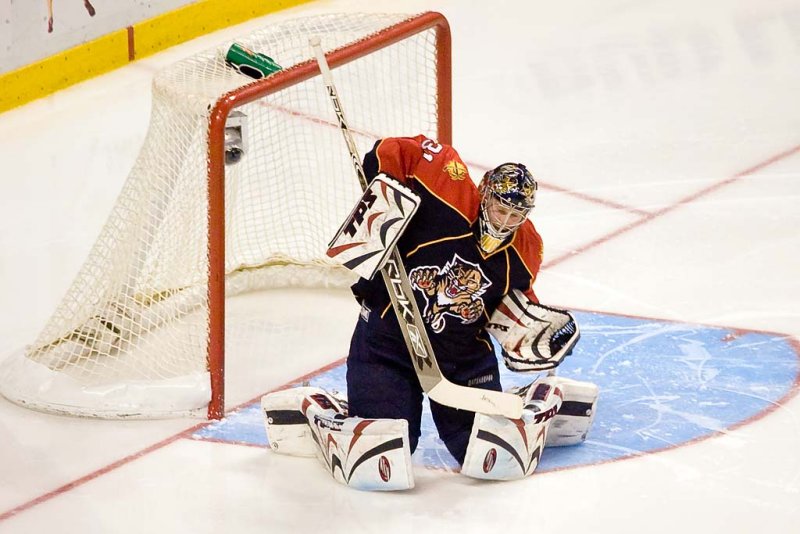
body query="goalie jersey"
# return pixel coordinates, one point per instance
(456, 285)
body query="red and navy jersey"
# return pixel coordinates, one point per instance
(456, 285)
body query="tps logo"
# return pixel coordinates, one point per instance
(363, 207)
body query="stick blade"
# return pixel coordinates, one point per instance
(477, 400)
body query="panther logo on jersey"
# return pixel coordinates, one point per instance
(454, 290)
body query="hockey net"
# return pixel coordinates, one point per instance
(141, 332)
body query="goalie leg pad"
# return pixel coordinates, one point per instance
(287, 427)
(574, 419)
(509, 449)
(365, 454)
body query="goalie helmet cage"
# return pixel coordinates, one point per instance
(141, 332)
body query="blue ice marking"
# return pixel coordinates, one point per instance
(661, 385)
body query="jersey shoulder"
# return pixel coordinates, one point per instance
(398, 157)
(528, 245)
(436, 167)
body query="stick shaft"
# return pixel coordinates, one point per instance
(405, 305)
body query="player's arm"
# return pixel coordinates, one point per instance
(370, 165)
(534, 337)
(368, 235)
(399, 157)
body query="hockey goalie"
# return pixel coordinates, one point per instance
(472, 255)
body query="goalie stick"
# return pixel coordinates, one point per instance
(405, 306)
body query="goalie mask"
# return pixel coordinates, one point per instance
(507, 193)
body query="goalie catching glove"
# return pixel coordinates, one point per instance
(533, 337)
(370, 232)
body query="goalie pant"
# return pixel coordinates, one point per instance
(382, 383)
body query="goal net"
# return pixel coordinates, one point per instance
(141, 332)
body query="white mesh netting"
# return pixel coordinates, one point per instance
(130, 336)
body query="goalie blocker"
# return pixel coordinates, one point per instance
(533, 337)
(370, 232)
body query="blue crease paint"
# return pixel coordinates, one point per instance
(662, 385)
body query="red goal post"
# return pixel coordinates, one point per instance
(272, 84)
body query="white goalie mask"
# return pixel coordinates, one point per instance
(508, 194)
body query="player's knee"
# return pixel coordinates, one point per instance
(371, 401)
(413, 441)
(503, 449)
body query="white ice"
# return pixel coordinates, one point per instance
(666, 135)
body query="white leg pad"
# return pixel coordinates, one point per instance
(509, 449)
(365, 454)
(287, 427)
(574, 419)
